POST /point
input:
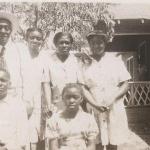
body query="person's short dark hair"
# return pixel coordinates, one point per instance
(72, 85)
(60, 34)
(29, 30)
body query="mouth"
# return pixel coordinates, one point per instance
(72, 106)
(2, 89)
(36, 44)
(3, 92)
(4, 35)
(65, 51)
(3, 39)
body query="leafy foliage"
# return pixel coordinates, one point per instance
(77, 18)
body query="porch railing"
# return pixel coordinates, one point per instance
(138, 95)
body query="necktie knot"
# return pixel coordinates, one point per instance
(2, 49)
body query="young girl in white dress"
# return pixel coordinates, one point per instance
(72, 128)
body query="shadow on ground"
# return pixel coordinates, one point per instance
(134, 142)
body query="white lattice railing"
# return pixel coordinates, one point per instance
(138, 95)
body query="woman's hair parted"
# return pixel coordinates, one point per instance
(72, 85)
(61, 34)
(29, 30)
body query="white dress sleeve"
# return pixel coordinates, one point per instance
(123, 74)
(92, 128)
(45, 71)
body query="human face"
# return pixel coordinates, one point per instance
(63, 45)
(97, 45)
(35, 39)
(72, 98)
(4, 83)
(5, 31)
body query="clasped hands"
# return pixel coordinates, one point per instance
(2, 146)
(102, 108)
(48, 110)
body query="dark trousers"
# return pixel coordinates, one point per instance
(111, 147)
(108, 147)
(41, 145)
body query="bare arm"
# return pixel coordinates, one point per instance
(47, 93)
(53, 144)
(47, 101)
(91, 100)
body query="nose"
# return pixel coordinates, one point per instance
(72, 100)
(35, 40)
(64, 44)
(96, 45)
(3, 30)
(1, 83)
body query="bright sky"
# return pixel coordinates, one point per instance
(82, 1)
(132, 10)
(122, 9)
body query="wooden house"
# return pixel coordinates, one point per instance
(132, 40)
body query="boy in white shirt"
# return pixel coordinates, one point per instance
(13, 117)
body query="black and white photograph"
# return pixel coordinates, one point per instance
(74, 75)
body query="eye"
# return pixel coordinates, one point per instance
(3, 80)
(73, 96)
(7, 28)
(67, 96)
(31, 37)
(34, 37)
(76, 96)
(65, 42)
(38, 38)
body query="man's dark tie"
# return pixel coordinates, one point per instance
(3, 64)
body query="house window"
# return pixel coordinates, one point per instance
(130, 67)
(142, 61)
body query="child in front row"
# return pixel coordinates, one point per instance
(13, 117)
(72, 129)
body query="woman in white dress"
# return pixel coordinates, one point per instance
(62, 67)
(32, 63)
(106, 77)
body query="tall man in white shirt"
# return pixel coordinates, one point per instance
(9, 54)
(10, 61)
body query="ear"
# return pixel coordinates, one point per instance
(81, 99)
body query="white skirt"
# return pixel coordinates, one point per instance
(113, 124)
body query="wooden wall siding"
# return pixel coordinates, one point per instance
(139, 121)
(132, 26)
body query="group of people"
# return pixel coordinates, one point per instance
(42, 92)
